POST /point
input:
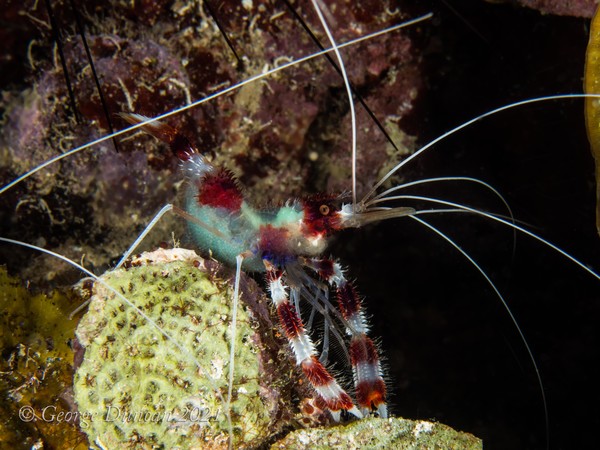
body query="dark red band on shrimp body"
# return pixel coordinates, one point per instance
(363, 350)
(324, 267)
(316, 372)
(343, 401)
(334, 404)
(290, 321)
(321, 215)
(370, 387)
(181, 147)
(348, 300)
(178, 143)
(329, 392)
(220, 190)
(273, 244)
(370, 393)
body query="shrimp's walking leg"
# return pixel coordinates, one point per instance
(165, 209)
(368, 380)
(328, 390)
(236, 299)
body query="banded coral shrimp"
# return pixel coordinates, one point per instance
(359, 269)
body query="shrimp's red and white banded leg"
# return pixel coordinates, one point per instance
(328, 390)
(368, 379)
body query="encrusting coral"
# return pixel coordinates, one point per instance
(136, 386)
(375, 433)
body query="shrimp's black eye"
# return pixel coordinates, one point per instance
(324, 210)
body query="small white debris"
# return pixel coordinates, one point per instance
(217, 366)
(422, 427)
(166, 255)
(304, 438)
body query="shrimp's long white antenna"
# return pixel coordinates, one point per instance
(436, 179)
(142, 314)
(442, 179)
(207, 99)
(510, 313)
(493, 217)
(465, 125)
(348, 92)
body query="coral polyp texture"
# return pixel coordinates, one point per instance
(138, 388)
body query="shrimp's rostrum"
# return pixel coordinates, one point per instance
(255, 160)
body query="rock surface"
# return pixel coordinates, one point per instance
(375, 433)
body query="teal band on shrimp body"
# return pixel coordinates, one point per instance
(241, 231)
(238, 236)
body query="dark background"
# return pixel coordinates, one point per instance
(452, 351)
